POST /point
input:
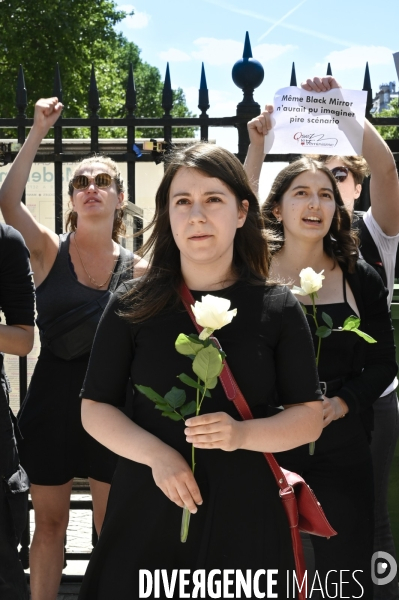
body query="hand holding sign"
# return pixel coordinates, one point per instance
(321, 118)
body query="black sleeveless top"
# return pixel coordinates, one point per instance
(61, 292)
(338, 351)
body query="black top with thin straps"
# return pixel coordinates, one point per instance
(337, 350)
(52, 304)
(55, 447)
(364, 369)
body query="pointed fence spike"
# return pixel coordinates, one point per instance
(203, 95)
(94, 98)
(22, 96)
(367, 88)
(167, 95)
(247, 47)
(329, 71)
(57, 89)
(367, 81)
(131, 98)
(293, 76)
(203, 85)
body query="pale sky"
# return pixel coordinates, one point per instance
(307, 32)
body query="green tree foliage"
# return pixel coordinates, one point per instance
(77, 34)
(389, 132)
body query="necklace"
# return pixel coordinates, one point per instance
(99, 286)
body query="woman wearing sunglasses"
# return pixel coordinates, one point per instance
(378, 231)
(72, 272)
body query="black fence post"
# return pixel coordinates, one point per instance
(247, 74)
(203, 103)
(293, 76)
(167, 105)
(131, 104)
(367, 88)
(57, 91)
(21, 103)
(94, 106)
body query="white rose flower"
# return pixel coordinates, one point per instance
(212, 313)
(311, 282)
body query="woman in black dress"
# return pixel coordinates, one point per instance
(70, 271)
(313, 229)
(207, 233)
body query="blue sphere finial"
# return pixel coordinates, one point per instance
(247, 72)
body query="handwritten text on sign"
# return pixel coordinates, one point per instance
(317, 122)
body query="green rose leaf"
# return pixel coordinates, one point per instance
(149, 392)
(174, 416)
(211, 383)
(185, 345)
(351, 323)
(192, 383)
(175, 398)
(327, 319)
(164, 407)
(305, 312)
(188, 409)
(195, 339)
(208, 363)
(323, 331)
(365, 336)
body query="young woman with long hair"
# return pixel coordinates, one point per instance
(378, 233)
(312, 228)
(208, 233)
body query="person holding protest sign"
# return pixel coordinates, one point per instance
(17, 301)
(378, 230)
(72, 273)
(207, 233)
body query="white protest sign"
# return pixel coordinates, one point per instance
(317, 122)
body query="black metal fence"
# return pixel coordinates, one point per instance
(247, 74)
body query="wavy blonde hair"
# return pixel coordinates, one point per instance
(71, 217)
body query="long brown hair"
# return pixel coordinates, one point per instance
(340, 243)
(71, 217)
(159, 287)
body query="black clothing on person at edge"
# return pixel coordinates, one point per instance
(55, 447)
(241, 523)
(17, 301)
(340, 471)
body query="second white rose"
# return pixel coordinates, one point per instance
(311, 282)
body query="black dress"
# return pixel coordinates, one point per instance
(340, 471)
(55, 447)
(241, 524)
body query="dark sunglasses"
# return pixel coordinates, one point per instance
(340, 173)
(102, 181)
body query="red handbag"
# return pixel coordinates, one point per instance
(304, 512)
